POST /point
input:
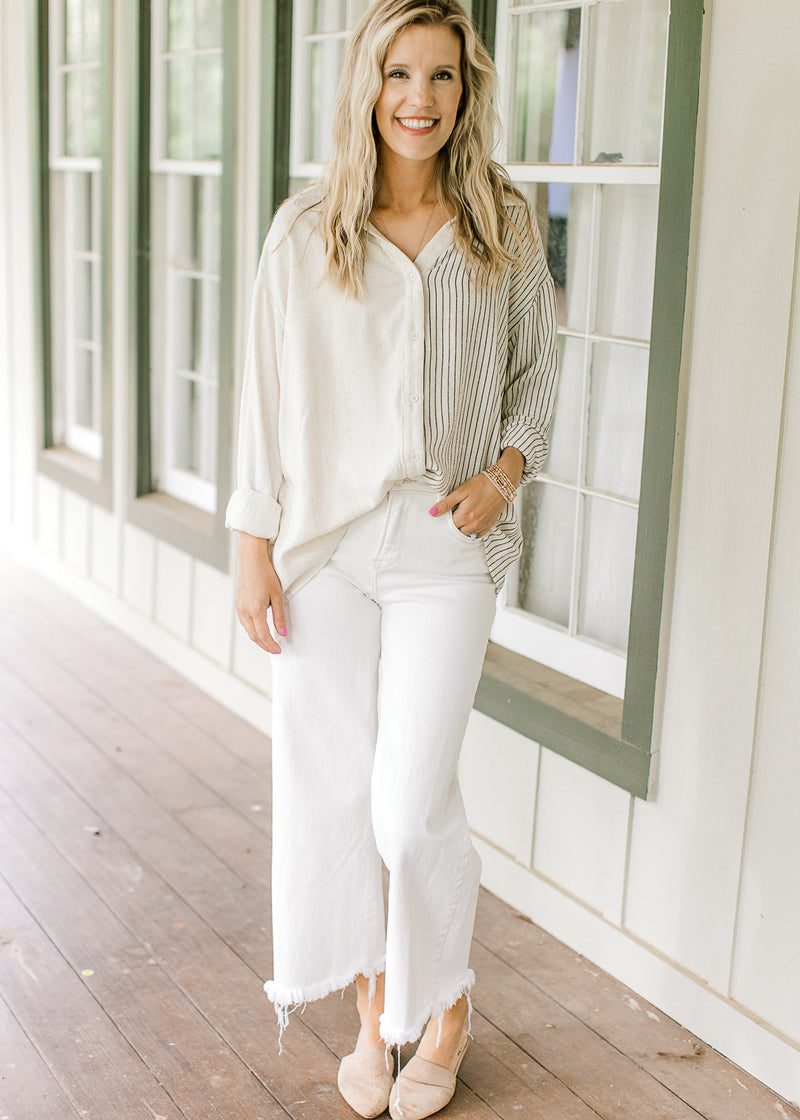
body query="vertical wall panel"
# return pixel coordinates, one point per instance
(581, 833)
(686, 846)
(498, 772)
(105, 545)
(766, 966)
(48, 515)
(76, 532)
(212, 612)
(173, 595)
(138, 569)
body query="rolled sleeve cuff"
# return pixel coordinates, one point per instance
(527, 437)
(253, 512)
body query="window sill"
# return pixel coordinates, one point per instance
(200, 534)
(571, 718)
(77, 472)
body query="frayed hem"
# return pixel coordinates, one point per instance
(435, 1011)
(287, 1000)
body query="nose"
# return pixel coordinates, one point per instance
(421, 93)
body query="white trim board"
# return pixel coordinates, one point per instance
(719, 1022)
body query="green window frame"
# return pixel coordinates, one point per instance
(610, 737)
(72, 245)
(195, 526)
(613, 739)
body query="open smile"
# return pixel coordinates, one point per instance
(418, 125)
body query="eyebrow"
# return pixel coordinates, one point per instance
(406, 66)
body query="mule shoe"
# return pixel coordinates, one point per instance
(364, 1081)
(424, 1087)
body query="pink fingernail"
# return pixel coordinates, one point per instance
(283, 632)
(433, 511)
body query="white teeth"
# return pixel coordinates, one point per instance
(413, 122)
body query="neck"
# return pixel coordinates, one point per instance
(404, 184)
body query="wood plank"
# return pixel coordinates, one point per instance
(609, 1082)
(670, 1054)
(118, 674)
(75, 1036)
(28, 1089)
(205, 714)
(177, 1043)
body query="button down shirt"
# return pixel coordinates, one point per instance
(426, 375)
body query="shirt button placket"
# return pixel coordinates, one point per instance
(413, 418)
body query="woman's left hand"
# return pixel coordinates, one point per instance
(476, 506)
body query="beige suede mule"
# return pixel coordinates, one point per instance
(424, 1087)
(365, 1081)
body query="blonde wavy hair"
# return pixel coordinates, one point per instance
(467, 178)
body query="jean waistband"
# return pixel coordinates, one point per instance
(415, 486)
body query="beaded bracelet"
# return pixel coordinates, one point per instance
(500, 480)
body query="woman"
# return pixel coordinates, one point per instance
(399, 386)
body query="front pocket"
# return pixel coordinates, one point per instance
(461, 536)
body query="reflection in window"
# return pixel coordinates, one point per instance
(75, 126)
(587, 82)
(186, 176)
(321, 31)
(583, 105)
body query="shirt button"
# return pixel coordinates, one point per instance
(413, 398)
(413, 457)
(414, 335)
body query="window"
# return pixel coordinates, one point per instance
(186, 116)
(321, 29)
(582, 105)
(74, 83)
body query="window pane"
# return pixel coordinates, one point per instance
(185, 320)
(565, 434)
(179, 25)
(180, 108)
(627, 58)
(627, 254)
(545, 567)
(82, 300)
(209, 352)
(208, 23)
(208, 106)
(73, 113)
(329, 15)
(82, 405)
(91, 112)
(325, 61)
(565, 214)
(187, 424)
(185, 220)
(609, 539)
(616, 419)
(73, 31)
(79, 192)
(91, 30)
(356, 10)
(544, 73)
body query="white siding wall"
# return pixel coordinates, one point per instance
(692, 898)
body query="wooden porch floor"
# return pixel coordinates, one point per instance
(134, 841)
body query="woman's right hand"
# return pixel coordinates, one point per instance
(258, 588)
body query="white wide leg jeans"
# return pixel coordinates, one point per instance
(371, 697)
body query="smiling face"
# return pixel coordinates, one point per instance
(418, 103)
